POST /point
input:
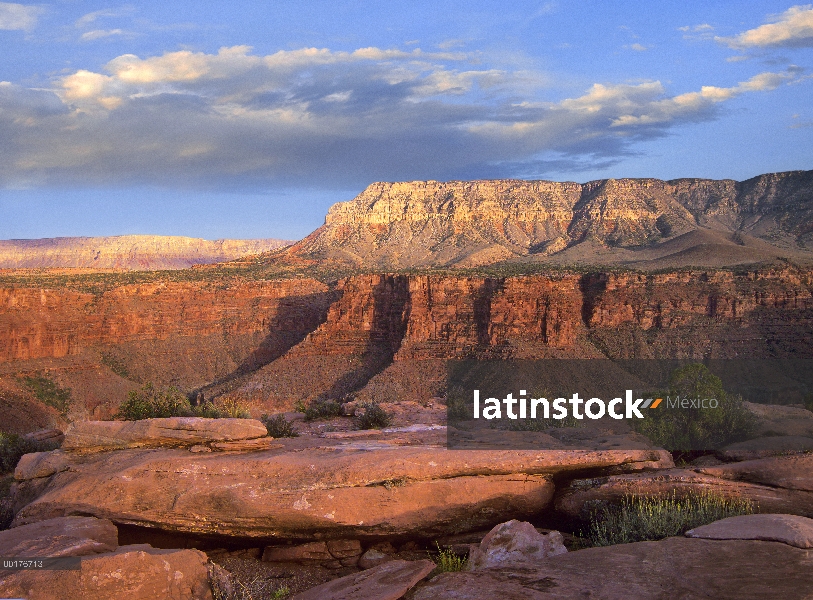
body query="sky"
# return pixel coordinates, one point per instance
(249, 119)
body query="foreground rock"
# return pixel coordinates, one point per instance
(388, 581)
(788, 529)
(774, 485)
(136, 572)
(670, 568)
(154, 433)
(302, 491)
(64, 536)
(513, 543)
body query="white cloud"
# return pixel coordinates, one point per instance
(18, 16)
(97, 34)
(321, 117)
(637, 47)
(792, 28)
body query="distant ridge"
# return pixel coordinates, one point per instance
(130, 252)
(640, 223)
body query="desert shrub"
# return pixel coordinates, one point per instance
(809, 402)
(448, 561)
(640, 518)
(278, 426)
(49, 393)
(13, 446)
(373, 417)
(151, 403)
(689, 429)
(232, 409)
(320, 408)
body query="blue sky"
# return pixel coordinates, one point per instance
(249, 119)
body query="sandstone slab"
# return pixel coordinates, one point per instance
(63, 536)
(512, 543)
(767, 446)
(133, 572)
(789, 472)
(388, 581)
(311, 492)
(670, 568)
(372, 558)
(172, 431)
(788, 529)
(578, 498)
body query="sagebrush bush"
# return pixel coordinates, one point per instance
(151, 403)
(278, 426)
(689, 429)
(641, 518)
(320, 408)
(372, 417)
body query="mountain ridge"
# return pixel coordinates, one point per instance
(393, 225)
(129, 252)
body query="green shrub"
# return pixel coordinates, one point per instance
(640, 518)
(448, 561)
(373, 417)
(13, 446)
(151, 403)
(49, 393)
(278, 426)
(321, 408)
(689, 429)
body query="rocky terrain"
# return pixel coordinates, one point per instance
(190, 508)
(642, 223)
(131, 252)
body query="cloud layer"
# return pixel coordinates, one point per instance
(317, 117)
(791, 29)
(18, 16)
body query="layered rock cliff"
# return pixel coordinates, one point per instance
(430, 223)
(132, 252)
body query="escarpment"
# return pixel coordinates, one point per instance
(470, 223)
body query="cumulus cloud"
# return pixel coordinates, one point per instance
(792, 28)
(318, 117)
(18, 16)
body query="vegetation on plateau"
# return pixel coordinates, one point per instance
(320, 408)
(372, 416)
(49, 393)
(641, 518)
(692, 429)
(150, 403)
(278, 426)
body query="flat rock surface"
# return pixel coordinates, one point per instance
(64, 536)
(311, 492)
(132, 572)
(788, 529)
(172, 431)
(789, 472)
(576, 498)
(663, 570)
(388, 581)
(767, 446)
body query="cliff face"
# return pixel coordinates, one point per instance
(393, 225)
(387, 336)
(133, 252)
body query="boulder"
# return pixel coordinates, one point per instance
(154, 433)
(672, 568)
(64, 536)
(312, 492)
(767, 446)
(512, 543)
(373, 558)
(578, 497)
(788, 472)
(388, 581)
(45, 436)
(331, 554)
(788, 529)
(133, 572)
